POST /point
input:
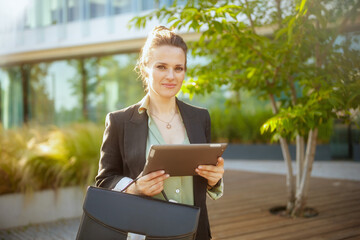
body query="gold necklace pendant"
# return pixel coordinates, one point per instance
(168, 125)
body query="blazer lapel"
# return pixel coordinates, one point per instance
(193, 126)
(135, 137)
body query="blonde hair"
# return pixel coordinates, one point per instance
(159, 36)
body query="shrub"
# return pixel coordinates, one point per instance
(234, 126)
(38, 158)
(242, 126)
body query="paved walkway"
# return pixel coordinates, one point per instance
(59, 230)
(67, 229)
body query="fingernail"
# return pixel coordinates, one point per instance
(167, 175)
(200, 167)
(162, 172)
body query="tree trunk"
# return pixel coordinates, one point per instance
(301, 195)
(290, 185)
(299, 160)
(289, 176)
(84, 89)
(25, 90)
(279, 12)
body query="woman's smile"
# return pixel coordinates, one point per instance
(169, 85)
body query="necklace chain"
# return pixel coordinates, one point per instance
(168, 125)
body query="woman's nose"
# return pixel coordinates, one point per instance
(170, 74)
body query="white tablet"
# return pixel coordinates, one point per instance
(182, 159)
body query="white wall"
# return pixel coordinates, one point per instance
(43, 206)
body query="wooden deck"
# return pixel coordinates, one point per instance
(242, 213)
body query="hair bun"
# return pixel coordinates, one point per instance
(161, 28)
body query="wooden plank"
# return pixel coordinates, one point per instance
(266, 219)
(336, 234)
(308, 228)
(234, 208)
(272, 226)
(242, 213)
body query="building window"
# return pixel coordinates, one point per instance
(11, 97)
(116, 85)
(67, 91)
(54, 94)
(73, 10)
(97, 8)
(147, 5)
(121, 6)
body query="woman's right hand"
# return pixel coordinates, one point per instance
(149, 185)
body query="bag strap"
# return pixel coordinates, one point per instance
(134, 181)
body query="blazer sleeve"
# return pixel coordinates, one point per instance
(111, 162)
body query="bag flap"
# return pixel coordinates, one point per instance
(143, 215)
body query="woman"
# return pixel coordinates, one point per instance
(159, 118)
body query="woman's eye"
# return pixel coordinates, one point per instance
(179, 69)
(161, 67)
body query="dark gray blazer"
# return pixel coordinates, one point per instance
(124, 146)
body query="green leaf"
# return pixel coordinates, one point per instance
(280, 33)
(177, 24)
(218, 26)
(195, 25)
(291, 22)
(172, 19)
(290, 30)
(303, 2)
(251, 73)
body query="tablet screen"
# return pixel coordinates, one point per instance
(182, 159)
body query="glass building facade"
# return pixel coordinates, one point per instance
(72, 88)
(66, 91)
(43, 13)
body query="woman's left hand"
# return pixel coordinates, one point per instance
(213, 174)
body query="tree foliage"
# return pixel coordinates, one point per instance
(307, 63)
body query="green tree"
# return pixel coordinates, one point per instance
(295, 53)
(119, 73)
(42, 109)
(83, 82)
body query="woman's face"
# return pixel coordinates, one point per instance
(166, 71)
